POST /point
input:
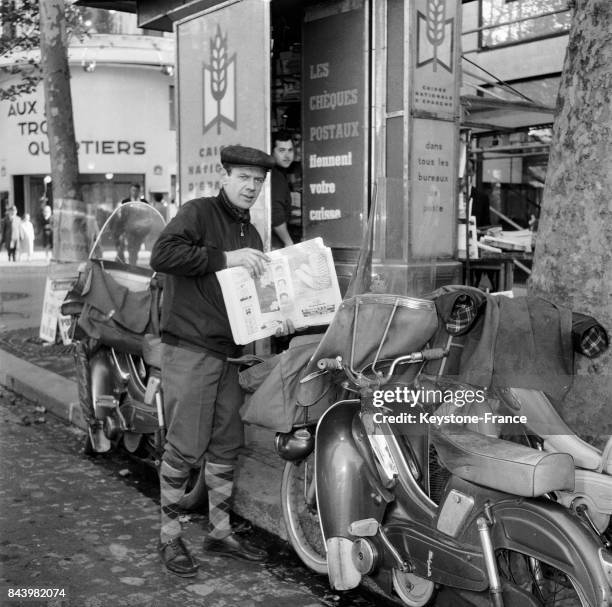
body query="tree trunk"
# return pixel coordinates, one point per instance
(573, 253)
(70, 240)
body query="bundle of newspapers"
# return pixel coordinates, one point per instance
(299, 284)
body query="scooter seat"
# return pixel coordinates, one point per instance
(500, 464)
(543, 420)
(151, 350)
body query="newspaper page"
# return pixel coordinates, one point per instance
(299, 283)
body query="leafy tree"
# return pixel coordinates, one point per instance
(20, 71)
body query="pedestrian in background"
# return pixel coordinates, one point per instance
(11, 234)
(123, 239)
(27, 237)
(202, 396)
(172, 209)
(135, 195)
(282, 150)
(47, 230)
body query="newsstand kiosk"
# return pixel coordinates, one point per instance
(368, 88)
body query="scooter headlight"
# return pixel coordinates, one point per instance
(296, 445)
(384, 456)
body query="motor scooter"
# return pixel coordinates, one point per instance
(418, 504)
(115, 307)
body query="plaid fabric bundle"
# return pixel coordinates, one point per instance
(593, 342)
(588, 336)
(462, 315)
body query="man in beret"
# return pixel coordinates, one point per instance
(201, 391)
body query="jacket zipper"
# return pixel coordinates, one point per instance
(242, 230)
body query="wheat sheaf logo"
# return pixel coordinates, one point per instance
(435, 37)
(219, 86)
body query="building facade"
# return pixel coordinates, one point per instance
(123, 102)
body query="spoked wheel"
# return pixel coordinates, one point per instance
(413, 590)
(299, 506)
(548, 586)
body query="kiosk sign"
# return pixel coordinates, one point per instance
(334, 125)
(435, 59)
(433, 187)
(223, 57)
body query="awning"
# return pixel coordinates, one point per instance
(124, 6)
(153, 14)
(493, 114)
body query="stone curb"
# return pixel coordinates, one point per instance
(58, 394)
(257, 492)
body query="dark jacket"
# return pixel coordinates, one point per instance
(189, 251)
(281, 203)
(521, 342)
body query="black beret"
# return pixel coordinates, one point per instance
(243, 156)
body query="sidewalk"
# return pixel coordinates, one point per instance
(44, 374)
(38, 259)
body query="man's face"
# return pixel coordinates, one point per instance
(134, 193)
(283, 153)
(242, 185)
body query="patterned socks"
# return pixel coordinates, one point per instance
(220, 482)
(172, 483)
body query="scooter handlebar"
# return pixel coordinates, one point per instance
(434, 354)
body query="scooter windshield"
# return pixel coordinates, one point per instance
(128, 235)
(400, 250)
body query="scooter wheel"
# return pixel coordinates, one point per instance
(301, 518)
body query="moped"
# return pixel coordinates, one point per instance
(418, 504)
(115, 306)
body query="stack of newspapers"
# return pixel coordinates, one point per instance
(299, 284)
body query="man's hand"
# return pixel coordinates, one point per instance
(286, 328)
(252, 259)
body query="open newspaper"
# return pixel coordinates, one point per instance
(299, 284)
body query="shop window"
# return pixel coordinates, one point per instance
(507, 23)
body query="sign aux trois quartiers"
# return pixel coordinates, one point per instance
(333, 132)
(434, 128)
(223, 95)
(27, 124)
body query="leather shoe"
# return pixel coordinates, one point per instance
(235, 547)
(177, 559)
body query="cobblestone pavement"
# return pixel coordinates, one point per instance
(89, 526)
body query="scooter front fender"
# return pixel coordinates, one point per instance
(346, 488)
(552, 534)
(102, 376)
